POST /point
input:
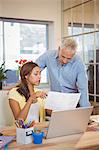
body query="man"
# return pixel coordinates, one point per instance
(66, 70)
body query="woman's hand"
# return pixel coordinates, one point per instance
(33, 98)
(41, 94)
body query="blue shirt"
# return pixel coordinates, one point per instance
(69, 78)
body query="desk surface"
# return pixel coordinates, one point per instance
(84, 141)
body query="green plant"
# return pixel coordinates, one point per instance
(3, 72)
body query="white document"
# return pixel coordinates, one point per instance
(61, 101)
(34, 112)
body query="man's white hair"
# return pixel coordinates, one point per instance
(69, 44)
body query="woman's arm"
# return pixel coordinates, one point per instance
(17, 111)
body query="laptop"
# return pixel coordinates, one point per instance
(68, 122)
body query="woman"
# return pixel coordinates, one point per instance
(23, 96)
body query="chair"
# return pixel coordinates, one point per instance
(6, 117)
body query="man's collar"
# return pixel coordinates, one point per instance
(56, 55)
(72, 59)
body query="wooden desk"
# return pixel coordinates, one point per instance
(85, 141)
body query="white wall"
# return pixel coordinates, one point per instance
(47, 10)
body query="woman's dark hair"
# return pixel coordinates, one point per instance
(26, 69)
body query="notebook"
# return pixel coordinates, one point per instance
(68, 122)
(4, 140)
(61, 101)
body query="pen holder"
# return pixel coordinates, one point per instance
(38, 137)
(24, 136)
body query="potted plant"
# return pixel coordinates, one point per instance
(2, 74)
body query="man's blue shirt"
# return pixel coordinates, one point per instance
(69, 78)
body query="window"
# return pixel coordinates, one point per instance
(1, 41)
(22, 40)
(80, 21)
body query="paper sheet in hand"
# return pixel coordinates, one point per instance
(34, 112)
(61, 101)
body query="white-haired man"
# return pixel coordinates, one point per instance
(66, 70)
